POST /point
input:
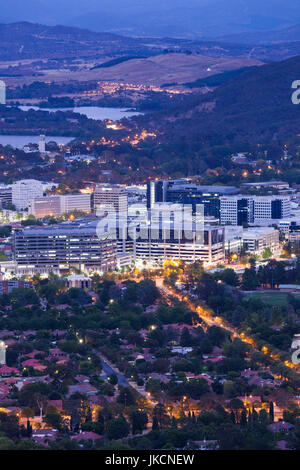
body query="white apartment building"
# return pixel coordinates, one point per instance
(110, 198)
(244, 209)
(73, 202)
(254, 239)
(257, 239)
(44, 206)
(25, 190)
(55, 206)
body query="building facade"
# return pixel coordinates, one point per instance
(158, 244)
(111, 199)
(63, 246)
(240, 210)
(5, 195)
(55, 206)
(7, 286)
(25, 190)
(185, 192)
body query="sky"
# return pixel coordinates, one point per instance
(197, 18)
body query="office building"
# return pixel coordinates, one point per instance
(25, 190)
(73, 202)
(111, 199)
(59, 247)
(256, 240)
(158, 241)
(45, 206)
(6, 195)
(79, 282)
(236, 210)
(279, 185)
(55, 206)
(184, 192)
(158, 249)
(253, 240)
(241, 210)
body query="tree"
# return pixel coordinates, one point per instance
(216, 335)
(243, 419)
(126, 396)
(155, 425)
(186, 339)
(28, 428)
(27, 412)
(249, 279)
(230, 437)
(117, 428)
(6, 443)
(263, 417)
(236, 405)
(54, 420)
(160, 413)
(228, 276)
(267, 253)
(30, 393)
(271, 412)
(139, 420)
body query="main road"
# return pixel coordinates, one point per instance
(206, 315)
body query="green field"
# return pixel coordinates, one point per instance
(272, 298)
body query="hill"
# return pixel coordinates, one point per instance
(254, 106)
(289, 34)
(160, 18)
(24, 40)
(33, 41)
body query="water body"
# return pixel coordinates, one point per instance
(92, 112)
(18, 141)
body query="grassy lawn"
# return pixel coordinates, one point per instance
(272, 298)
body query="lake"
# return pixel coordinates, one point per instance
(18, 141)
(92, 112)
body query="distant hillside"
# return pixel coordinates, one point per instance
(265, 37)
(119, 60)
(26, 40)
(161, 18)
(255, 105)
(217, 79)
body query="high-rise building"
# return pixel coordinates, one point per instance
(25, 190)
(44, 207)
(2, 353)
(185, 192)
(65, 245)
(5, 195)
(2, 92)
(110, 198)
(244, 209)
(42, 144)
(161, 244)
(73, 202)
(55, 206)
